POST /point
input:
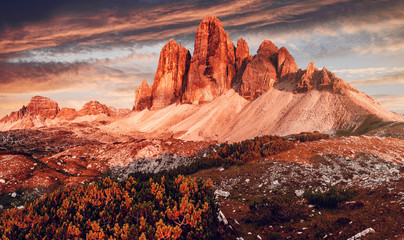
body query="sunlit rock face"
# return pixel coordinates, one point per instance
(313, 78)
(212, 67)
(42, 106)
(142, 97)
(261, 72)
(286, 65)
(243, 57)
(171, 74)
(67, 114)
(94, 108)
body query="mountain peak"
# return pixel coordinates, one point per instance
(170, 76)
(212, 67)
(94, 108)
(268, 48)
(42, 106)
(212, 20)
(142, 97)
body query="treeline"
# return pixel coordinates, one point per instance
(166, 208)
(226, 155)
(307, 137)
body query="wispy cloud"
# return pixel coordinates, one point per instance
(373, 70)
(382, 80)
(392, 102)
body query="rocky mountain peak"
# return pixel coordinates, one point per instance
(242, 52)
(42, 106)
(260, 74)
(212, 67)
(267, 48)
(142, 97)
(216, 66)
(94, 108)
(170, 76)
(243, 57)
(287, 66)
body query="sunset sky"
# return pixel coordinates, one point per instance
(74, 51)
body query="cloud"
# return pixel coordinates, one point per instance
(32, 77)
(391, 102)
(158, 23)
(399, 78)
(371, 71)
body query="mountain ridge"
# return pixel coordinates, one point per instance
(222, 93)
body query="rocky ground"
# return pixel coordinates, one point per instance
(33, 162)
(372, 166)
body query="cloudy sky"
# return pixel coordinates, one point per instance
(73, 51)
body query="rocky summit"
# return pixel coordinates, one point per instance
(212, 66)
(40, 107)
(94, 108)
(217, 66)
(170, 77)
(142, 97)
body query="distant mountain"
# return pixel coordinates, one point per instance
(42, 112)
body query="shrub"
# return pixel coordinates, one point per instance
(173, 208)
(281, 208)
(308, 136)
(229, 154)
(330, 199)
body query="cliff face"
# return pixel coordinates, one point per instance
(218, 66)
(67, 114)
(212, 66)
(286, 66)
(41, 107)
(171, 74)
(143, 97)
(243, 57)
(261, 73)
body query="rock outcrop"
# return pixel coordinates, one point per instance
(68, 114)
(287, 66)
(143, 97)
(94, 108)
(217, 66)
(38, 107)
(14, 116)
(243, 57)
(43, 107)
(322, 80)
(261, 73)
(212, 66)
(118, 111)
(171, 75)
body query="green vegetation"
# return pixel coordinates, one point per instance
(308, 136)
(330, 199)
(166, 205)
(227, 155)
(173, 208)
(277, 208)
(370, 123)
